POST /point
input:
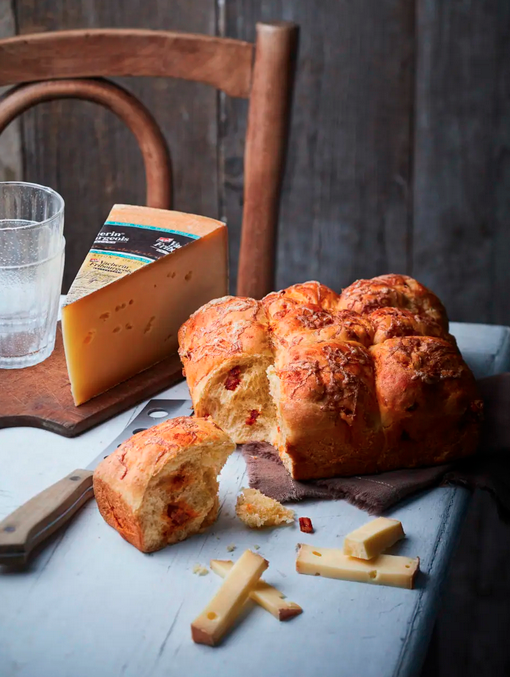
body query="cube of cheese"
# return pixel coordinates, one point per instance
(373, 538)
(147, 271)
(391, 570)
(221, 612)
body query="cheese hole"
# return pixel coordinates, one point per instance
(188, 276)
(104, 316)
(408, 566)
(129, 325)
(314, 552)
(131, 301)
(117, 329)
(170, 275)
(148, 328)
(372, 574)
(211, 615)
(168, 337)
(120, 307)
(155, 286)
(90, 337)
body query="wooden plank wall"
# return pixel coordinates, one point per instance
(461, 242)
(461, 248)
(399, 160)
(345, 210)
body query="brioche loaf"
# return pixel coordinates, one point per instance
(160, 486)
(362, 382)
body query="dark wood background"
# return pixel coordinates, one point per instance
(399, 161)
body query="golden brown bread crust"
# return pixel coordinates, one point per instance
(392, 322)
(326, 409)
(320, 358)
(294, 323)
(226, 349)
(429, 402)
(160, 486)
(396, 291)
(307, 293)
(220, 330)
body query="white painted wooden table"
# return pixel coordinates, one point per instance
(92, 605)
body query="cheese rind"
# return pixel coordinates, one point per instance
(265, 595)
(124, 312)
(398, 572)
(221, 612)
(373, 538)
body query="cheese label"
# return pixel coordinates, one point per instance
(148, 243)
(120, 248)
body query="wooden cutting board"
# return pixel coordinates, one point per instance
(40, 396)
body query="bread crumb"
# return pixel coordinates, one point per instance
(257, 510)
(231, 547)
(200, 570)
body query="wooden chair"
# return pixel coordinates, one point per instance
(62, 64)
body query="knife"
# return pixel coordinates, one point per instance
(44, 514)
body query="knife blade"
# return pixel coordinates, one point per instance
(41, 516)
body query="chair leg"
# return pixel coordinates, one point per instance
(266, 138)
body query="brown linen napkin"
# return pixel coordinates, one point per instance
(489, 469)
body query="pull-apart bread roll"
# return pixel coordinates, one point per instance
(226, 351)
(430, 409)
(328, 420)
(160, 486)
(307, 293)
(308, 324)
(362, 382)
(395, 291)
(392, 322)
(307, 313)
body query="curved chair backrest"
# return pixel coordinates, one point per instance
(66, 64)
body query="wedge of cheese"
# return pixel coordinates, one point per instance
(221, 612)
(265, 595)
(373, 538)
(147, 271)
(399, 572)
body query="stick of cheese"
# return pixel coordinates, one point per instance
(264, 594)
(332, 563)
(373, 538)
(221, 612)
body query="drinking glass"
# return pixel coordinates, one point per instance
(31, 267)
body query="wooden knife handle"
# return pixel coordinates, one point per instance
(42, 515)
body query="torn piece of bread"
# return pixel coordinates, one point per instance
(200, 570)
(257, 510)
(160, 486)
